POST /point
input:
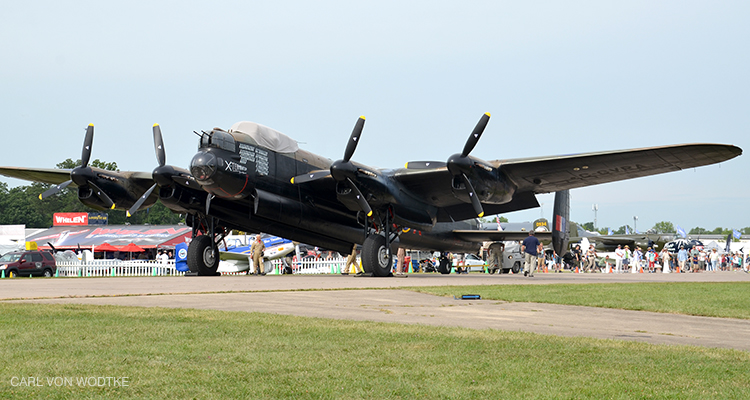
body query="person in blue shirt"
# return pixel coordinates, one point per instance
(682, 257)
(528, 246)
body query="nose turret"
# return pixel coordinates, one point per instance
(203, 166)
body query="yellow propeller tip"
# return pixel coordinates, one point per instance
(406, 165)
(369, 214)
(127, 213)
(40, 197)
(91, 124)
(156, 124)
(113, 207)
(487, 114)
(292, 181)
(481, 215)
(362, 117)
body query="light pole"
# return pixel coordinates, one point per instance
(635, 224)
(595, 208)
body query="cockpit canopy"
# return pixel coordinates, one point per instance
(265, 137)
(219, 138)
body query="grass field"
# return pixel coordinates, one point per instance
(178, 353)
(728, 300)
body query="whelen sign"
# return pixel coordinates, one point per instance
(69, 219)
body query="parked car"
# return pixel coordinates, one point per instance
(28, 263)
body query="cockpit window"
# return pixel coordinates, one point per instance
(220, 139)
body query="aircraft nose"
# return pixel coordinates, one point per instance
(203, 166)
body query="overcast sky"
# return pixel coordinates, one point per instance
(558, 78)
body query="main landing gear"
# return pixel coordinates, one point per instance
(203, 250)
(377, 257)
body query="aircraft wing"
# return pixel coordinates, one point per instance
(478, 236)
(555, 173)
(552, 174)
(55, 176)
(232, 255)
(44, 175)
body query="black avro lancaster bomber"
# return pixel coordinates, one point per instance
(255, 179)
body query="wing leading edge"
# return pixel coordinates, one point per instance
(552, 174)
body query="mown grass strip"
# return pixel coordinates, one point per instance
(727, 300)
(178, 353)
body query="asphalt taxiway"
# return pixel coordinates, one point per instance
(379, 299)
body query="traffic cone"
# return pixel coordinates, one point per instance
(57, 273)
(80, 272)
(2, 275)
(153, 271)
(113, 272)
(576, 269)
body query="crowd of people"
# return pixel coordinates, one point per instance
(624, 259)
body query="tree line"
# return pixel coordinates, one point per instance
(21, 205)
(665, 227)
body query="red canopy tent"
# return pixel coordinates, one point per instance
(132, 248)
(106, 247)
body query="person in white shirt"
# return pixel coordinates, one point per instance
(619, 255)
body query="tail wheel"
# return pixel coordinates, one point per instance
(376, 259)
(445, 266)
(202, 256)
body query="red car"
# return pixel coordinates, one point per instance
(28, 263)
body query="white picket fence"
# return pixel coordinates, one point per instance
(104, 268)
(117, 268)
(321, 266)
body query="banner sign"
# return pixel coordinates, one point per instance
(70, 219)
(98, 218)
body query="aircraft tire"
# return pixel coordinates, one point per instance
(200, 257)
(375, 258)
(445, 266)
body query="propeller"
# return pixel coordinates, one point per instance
(460, 164)
(343, 170)
(161, 158)
(82, 175)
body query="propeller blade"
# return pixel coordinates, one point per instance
(102, 196)
(312, 176)
(54, 189)
(425, 165)
(473, 196)
(360, 198)
(161, 155)
(476, 134)
(86, 154)
(354, 139)
(140, 201)
(208, 202)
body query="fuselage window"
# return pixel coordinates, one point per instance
(223, 140)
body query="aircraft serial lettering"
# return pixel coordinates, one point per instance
(232, 166)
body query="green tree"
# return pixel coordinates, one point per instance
(664, 227)
(622, 230)
(698, 231)
(589, 226)
(70, 164)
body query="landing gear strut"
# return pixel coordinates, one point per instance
(377, 257)
(203, 251)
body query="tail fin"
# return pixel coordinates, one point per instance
(560, 215)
